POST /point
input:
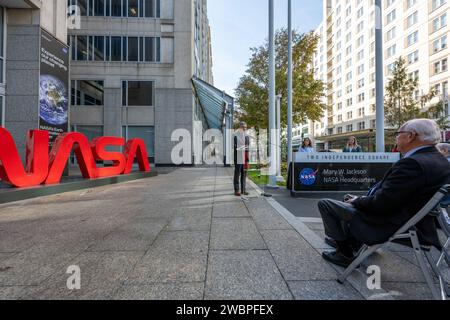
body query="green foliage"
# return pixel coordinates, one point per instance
(438, 113)
(252, 91)
(400, 103)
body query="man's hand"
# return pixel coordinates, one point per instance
(350, 198)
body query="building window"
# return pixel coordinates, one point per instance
(99, 7)
(99, 48)
(83, 5)
(116, 8)
(349, 128)
(412, 38)
(115, 48)
(440, 44)
(90, 132)
(412, 19)
(137, 93)
(87, 93)
(361, 126)
(152, 49)
(82, 48)
(435, 4)
(413, 57)
(119, 8)
(133, 49)
(146, 133)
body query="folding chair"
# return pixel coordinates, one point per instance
(443, 219)
(422, 253)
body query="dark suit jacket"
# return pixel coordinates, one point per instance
(404, 190)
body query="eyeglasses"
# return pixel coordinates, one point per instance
(400, 132)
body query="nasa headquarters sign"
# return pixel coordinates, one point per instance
(340, 171)
(53, 86)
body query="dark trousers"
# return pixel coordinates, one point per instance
(336, 215)
(239, 174)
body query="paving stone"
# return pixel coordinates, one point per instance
(296, 259)
(229, 210)
(169, 266)
(244, 275)
(101, 275)
(265, 217)
(323, 290)
(33, 266)
(191, 222)
(182, 241)
(161, 291)
(13, 292)
(394, 268)
(408, 291)
(235, 233)
(137, 235)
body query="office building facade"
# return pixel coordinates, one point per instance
(417, 30)
(132, 67)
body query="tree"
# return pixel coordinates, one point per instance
(252, 91)
(400, 102)
(438, 112)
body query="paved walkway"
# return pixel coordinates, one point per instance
(181, 235)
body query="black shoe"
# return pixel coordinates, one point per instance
(337, 258)
(356, 246)
(331, 242)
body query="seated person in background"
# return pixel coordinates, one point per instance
(444, 148)
(404, 190)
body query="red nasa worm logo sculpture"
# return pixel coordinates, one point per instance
(42, 167)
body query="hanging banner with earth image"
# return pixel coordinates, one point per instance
(53, 86)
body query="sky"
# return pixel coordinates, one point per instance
(238, 25)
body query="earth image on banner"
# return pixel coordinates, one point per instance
(53, 102)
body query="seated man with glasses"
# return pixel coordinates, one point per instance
(404, 190)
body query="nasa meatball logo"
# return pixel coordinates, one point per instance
(308, 176)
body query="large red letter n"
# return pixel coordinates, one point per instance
(11, 168)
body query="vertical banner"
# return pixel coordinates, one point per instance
(53, 86)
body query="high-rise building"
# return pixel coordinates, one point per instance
(417, 30)
(132, 67)
(22, 23)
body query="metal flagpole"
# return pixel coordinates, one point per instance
(289, 89)
(289, 95)
(272, 131)
(379, 77)
(279, 176)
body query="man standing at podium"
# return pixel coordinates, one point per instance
(241, 159)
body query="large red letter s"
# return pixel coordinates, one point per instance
(136, 147)
(98, 146)
(60, 155)
(11, 168)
